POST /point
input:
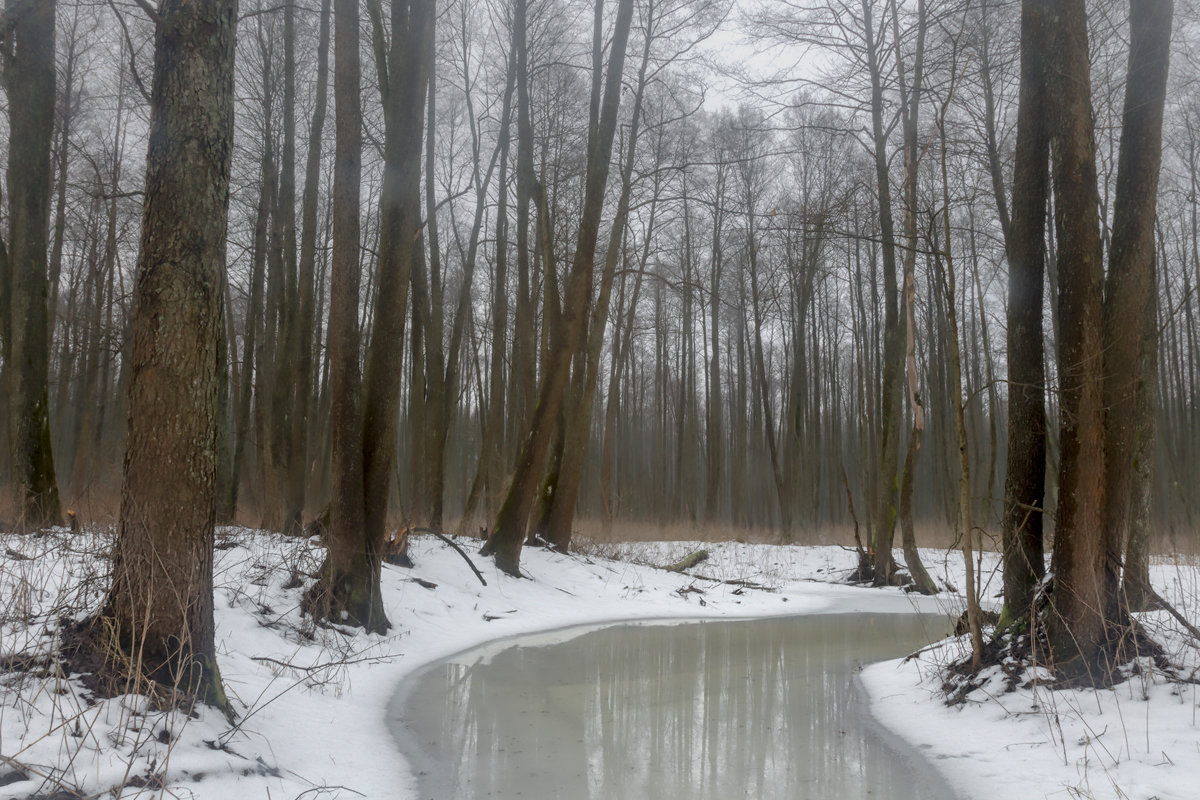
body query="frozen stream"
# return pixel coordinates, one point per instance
(762, 708)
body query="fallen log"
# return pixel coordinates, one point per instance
(688, 561)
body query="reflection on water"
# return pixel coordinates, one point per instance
(761, 709)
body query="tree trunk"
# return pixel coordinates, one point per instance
(911, 99)
(883, 520)
(29, 77)
(347, 589)
(1135, 581)
(1130, 286)
(1025, 479)
(303, 345)
(409, 65)
(509, 531)
(1078, 623)
(160, 606)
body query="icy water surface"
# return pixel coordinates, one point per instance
(762, 709)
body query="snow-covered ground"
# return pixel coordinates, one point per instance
(312, 702)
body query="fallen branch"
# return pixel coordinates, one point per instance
(457, 549)
(737, 582)
(323, 665)
(1174, 612)
(688, 561)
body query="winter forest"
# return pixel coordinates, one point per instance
(887, 274)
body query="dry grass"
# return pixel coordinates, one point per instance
(593, 530)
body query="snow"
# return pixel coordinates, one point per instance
(312, 701)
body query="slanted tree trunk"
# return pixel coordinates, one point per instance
(160, 605)
(508, 533)
(558, 522)
(29, 81)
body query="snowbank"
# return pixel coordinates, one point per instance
(312, 701)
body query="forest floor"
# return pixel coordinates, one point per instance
(312, 702)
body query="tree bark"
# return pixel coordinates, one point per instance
(1129, 285)
(1025, 478)
(160, 606)
(29, 78)
(1078, 627)
(347, 589)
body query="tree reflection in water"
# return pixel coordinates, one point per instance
(762, 709)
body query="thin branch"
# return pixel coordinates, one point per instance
(457, 549)
(151, 12)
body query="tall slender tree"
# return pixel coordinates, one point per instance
(347, 587)
(1025, 479)
(508, 533)
(28, 65)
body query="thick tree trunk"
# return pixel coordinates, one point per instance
(1130, 286)
(1025, 479)
(160, 605)
(29, 78)
(1078, 628)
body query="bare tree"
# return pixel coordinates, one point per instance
(28, 71)
(508, 533)
(1025, 479)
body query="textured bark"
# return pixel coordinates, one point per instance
(29, 80)
(1078, 628)
(1130, 285)
(161, 604)
(1135, 580)
(1025, 479)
